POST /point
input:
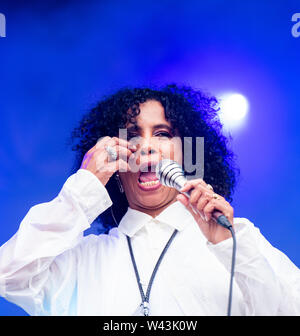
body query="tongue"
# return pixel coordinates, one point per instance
(148, 176)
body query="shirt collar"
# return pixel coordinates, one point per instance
(176, 215)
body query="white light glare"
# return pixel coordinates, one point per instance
(233, 110)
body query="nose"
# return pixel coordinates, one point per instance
(147, 151)
(146, 144)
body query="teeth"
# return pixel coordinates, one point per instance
(149, 183)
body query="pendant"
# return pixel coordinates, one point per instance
(142, 309)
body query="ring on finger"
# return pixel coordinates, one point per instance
(216, 196)
(112, 153)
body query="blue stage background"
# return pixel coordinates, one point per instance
(59, 57)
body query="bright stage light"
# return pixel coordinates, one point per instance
(233, 110)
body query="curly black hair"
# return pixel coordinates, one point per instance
(191, 112)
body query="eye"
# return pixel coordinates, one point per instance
(163, 134)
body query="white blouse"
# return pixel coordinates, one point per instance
(49, 268)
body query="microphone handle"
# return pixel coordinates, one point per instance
(175, 178)
(218, 215)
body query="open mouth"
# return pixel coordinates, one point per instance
(147, 179)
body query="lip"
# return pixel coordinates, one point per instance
(150, 187)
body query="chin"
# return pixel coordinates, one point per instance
(153, 201)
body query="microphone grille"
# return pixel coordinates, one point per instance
(170, 173)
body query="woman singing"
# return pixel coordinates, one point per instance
(160, 252)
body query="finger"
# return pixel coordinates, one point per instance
(197, 191)
(105, 143)
(183, 199)
(102, 142)
(208, 209)
(103, 158)
(202, 202)
(188, 186)
(113, 166)
(218, 205)
(91, 151)
(124, 143)
(111, 141)
(122, 152)
(195, 195)
(192, 183)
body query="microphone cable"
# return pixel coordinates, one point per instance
(230, 228)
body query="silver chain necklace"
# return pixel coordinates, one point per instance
(144, 306)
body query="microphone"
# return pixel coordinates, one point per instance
(171, 174)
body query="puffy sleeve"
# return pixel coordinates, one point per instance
(40, 260)
(267, 278)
